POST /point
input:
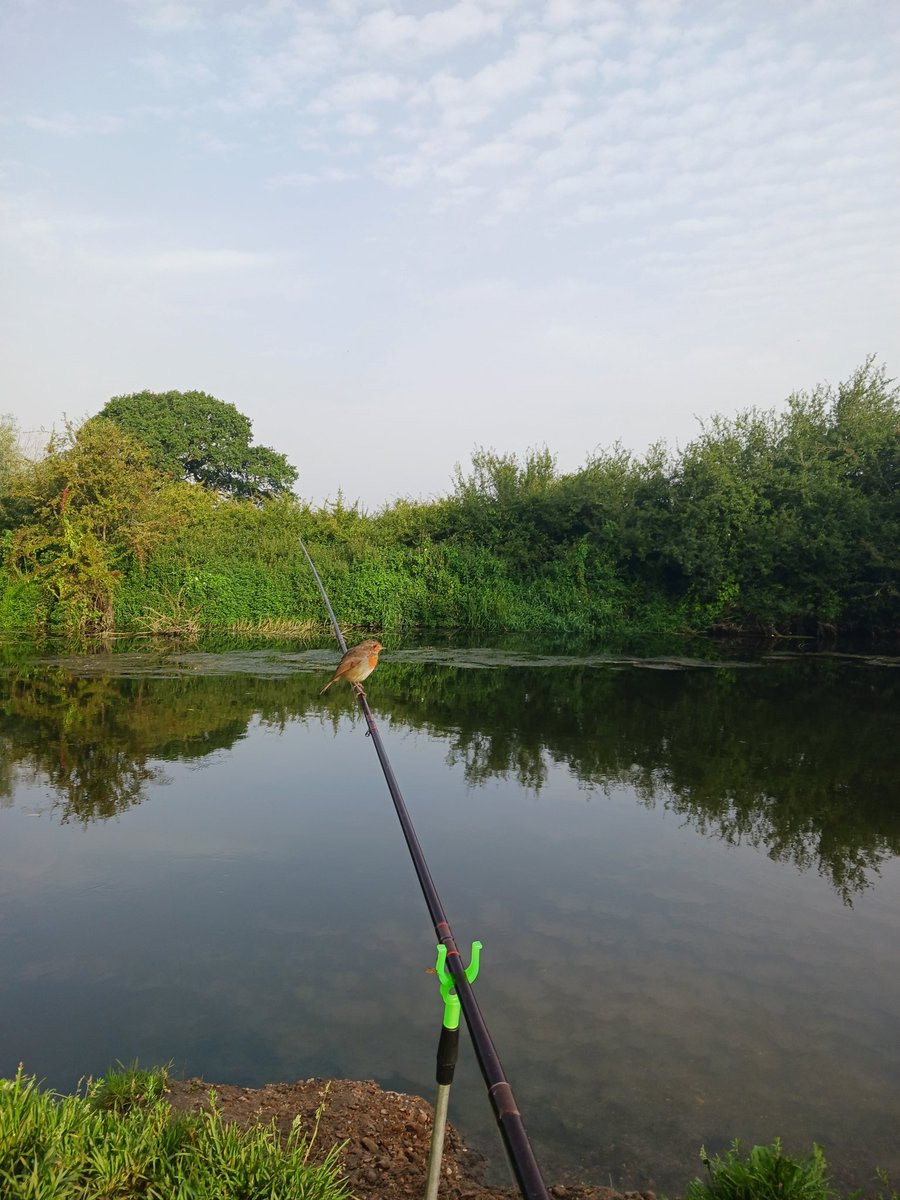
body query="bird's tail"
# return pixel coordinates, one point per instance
(327, 686)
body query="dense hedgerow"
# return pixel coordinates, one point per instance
(783, 522)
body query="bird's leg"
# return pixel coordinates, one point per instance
(359, 688)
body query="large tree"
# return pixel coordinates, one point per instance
(194, 436)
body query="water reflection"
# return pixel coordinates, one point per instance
(650, 989)
(798, 758)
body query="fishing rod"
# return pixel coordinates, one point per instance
(509, 1119)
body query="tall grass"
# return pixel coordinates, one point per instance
(385, 587)
(119, 1140)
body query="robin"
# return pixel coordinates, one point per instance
(357, 664)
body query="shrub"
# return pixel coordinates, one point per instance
(765, 1174)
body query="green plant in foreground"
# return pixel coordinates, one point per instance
(129, 1086)
(121, 1141)
(765, 1174)
(882, 1191)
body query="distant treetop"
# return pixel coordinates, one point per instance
(194, 436)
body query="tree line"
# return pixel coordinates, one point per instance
(159, 515)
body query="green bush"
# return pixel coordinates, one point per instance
(788, 522)
(765, 1174)
(22, 603)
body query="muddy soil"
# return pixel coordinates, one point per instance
(387, 1137)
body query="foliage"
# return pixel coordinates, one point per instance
(786, 522)
(92, 505)
(120, 1141)
(789, 522)
(123, 1089)
(21, 600)
(12, 461)
(883, 1189)
(793, 520)
(194, 436)
(765, 1174)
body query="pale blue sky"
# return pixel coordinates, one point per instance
(389, 232)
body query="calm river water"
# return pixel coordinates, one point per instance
(683, 869)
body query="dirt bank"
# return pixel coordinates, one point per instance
(387, 1136)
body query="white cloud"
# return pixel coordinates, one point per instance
(357, 124)
(167, 16)
(303, 54)
(489, 156)
(304, 179)
(436, 32)
(462, 100)
(549, 119)
(74, 125)
(208, 144)
(170, 71)
(38, 234)
(509, 201)
(190, 260)
(370, 87)
(98, 242)
(514, 73)
(560, 14)
(570, 74)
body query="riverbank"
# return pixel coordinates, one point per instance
(386, 1137)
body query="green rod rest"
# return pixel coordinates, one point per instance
(448, 990)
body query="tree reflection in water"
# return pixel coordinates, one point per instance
(796, 757)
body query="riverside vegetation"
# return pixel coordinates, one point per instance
(119, 1139)
(158, 515)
